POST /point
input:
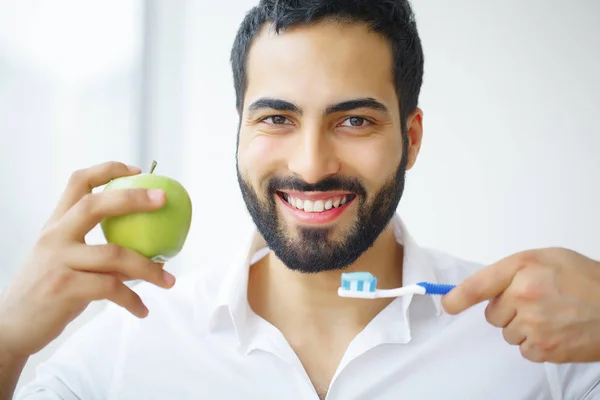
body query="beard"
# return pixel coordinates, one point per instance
(314, 249)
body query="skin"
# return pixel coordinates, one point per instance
(62, 274)
(547, 301)
(315, 67)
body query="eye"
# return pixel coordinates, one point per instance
(356, 122)
(276, 120)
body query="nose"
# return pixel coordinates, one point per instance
(313, 157)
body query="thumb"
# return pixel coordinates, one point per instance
(485, 284)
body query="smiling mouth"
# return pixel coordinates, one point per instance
(319, 205)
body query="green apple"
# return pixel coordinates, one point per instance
(159, 234)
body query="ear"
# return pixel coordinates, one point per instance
(414, 124)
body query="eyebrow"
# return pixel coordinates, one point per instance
(274, 104)
(349, 105)
(367, 102)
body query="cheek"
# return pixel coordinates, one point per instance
(373, 160)
(260, 157)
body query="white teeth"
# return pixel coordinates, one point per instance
(315, 206)
(308, 206)
(319, 206)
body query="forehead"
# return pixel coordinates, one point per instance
(319, 64)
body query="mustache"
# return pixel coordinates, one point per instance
(330, 183)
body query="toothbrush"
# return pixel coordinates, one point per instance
(363, 285)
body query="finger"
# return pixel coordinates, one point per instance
(513, 334)
(107, 287)
(500, 312)
(92, 208)
(120, 262)
(485, 284)
(83, 181)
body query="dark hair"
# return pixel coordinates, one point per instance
(393, 19)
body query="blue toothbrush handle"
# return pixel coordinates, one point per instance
(436, 288)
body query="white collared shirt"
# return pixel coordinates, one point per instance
(203, 341)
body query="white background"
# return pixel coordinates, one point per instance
(511, 152)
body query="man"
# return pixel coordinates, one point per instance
(327, 94)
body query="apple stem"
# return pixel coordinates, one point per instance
(153, 166)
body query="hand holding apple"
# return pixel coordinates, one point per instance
(63, 274)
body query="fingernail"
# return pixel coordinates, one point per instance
(144, 311)
(168, 278)
(156, 195)
(133, 168)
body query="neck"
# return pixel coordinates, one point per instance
(286, 297)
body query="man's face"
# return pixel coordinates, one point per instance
(321, 161)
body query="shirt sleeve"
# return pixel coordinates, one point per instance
(577, 381)
(83, 366)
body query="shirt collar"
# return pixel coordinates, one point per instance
(231, 308)
(418, 263)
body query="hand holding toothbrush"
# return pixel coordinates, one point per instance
(547, 302)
